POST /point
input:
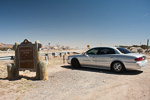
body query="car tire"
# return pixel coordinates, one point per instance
(75, 63)
(118, 67)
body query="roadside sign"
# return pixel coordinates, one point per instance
(88, 46)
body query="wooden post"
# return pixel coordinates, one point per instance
(63, 59)
(46, 57)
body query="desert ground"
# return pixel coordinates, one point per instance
(65, 83)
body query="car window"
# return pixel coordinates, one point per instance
(123, 50)
(105, 51)
(92, 51)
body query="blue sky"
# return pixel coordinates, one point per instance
(75, 23)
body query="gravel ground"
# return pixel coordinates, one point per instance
(92, 84)
(66, 83)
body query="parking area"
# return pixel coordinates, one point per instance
(66, 83)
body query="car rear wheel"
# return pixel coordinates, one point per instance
(118, 67)
(75, 63)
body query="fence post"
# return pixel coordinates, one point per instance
(63, 59)
(46, 57)
(60, 55)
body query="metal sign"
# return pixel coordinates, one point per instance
(26, 56)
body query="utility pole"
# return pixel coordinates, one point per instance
(49, 46)
(147, 45)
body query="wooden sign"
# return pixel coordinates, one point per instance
(26, 56)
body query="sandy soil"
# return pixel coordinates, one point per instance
(66, 83)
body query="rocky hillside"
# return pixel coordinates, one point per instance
(2, 45)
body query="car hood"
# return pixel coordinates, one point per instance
(77, 55)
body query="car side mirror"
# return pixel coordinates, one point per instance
(85, 53)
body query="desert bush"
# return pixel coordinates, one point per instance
(140, 50)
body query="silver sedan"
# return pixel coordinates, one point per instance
(113, 58)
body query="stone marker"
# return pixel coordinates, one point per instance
(10, 71)
(27, 57)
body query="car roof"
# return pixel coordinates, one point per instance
(106, 47)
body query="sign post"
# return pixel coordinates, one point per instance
(88, 46)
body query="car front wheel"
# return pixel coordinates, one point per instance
(75, 63)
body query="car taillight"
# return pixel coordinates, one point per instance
(139, 59)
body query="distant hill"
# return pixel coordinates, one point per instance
(2, 45)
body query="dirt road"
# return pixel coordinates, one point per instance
(66, 83)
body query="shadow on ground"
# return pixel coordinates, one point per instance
(20, 77)
(131, 72)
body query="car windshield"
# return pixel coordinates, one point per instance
(123, 50)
